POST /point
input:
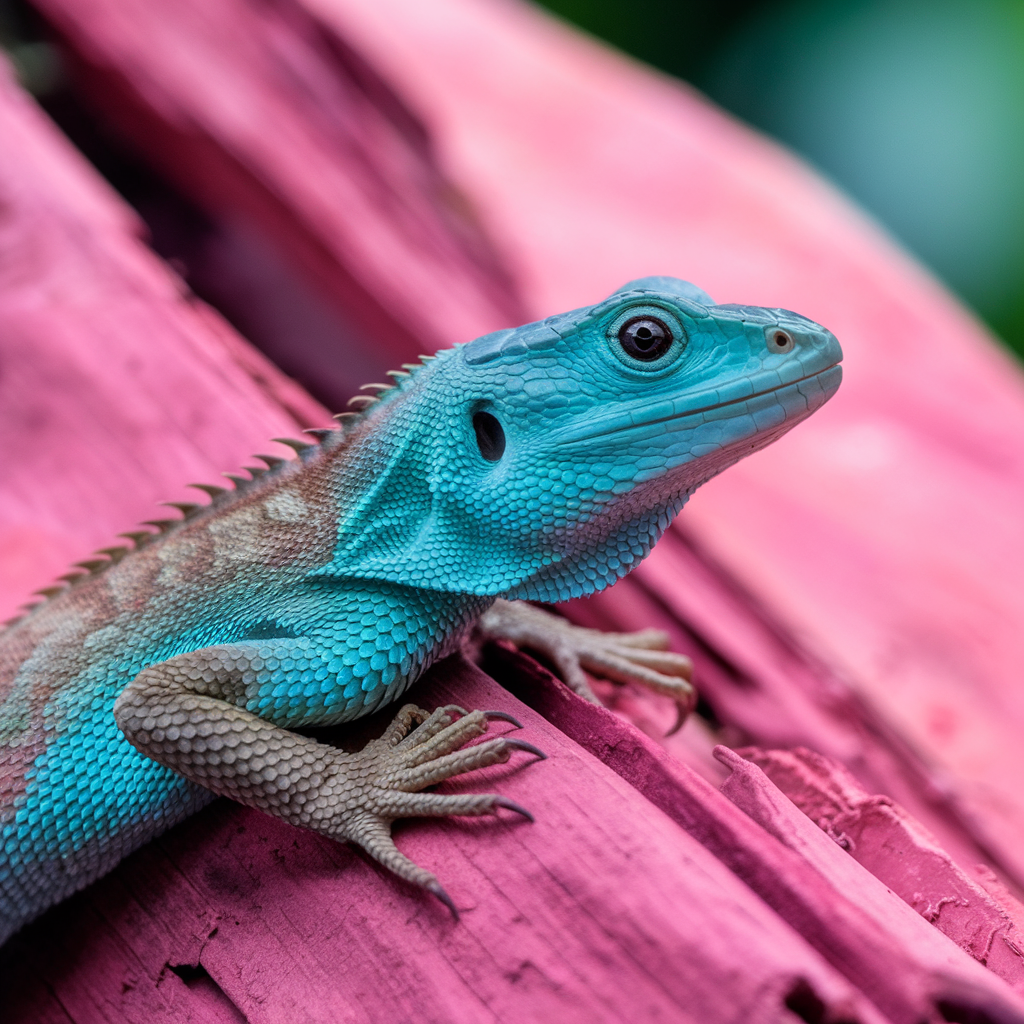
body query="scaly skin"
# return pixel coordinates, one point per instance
(538, 463)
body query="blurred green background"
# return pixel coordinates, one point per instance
(914, 107)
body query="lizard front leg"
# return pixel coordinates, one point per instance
(189, 713)
(640, 658)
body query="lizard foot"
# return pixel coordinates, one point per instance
(384, 781)
(640, 657)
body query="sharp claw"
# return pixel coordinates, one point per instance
(682, 713)
(528, 747)
(504, 716)
(435, 888)
(511, 805)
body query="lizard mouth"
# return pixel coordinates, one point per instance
(641, 419)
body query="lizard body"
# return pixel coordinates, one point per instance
(540, 463)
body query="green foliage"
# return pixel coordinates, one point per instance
(678, 36)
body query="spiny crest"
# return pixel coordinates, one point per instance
(104, 558)
(325, 438)
(361, 403)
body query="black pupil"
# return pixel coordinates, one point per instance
(645, 338)
(490, 437)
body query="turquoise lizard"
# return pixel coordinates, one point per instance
(538, 463)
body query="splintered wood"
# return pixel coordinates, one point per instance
(850, 596)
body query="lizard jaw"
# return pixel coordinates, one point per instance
(694, 405)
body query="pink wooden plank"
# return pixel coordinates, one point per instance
(117, 389)
(118, 384)
(766, 688)
(899, 851)
(889, 531)
(604, 910)
(966, 997)
(261, 113)
(879, 960)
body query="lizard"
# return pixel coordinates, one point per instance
(533, 464)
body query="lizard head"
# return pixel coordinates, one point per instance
(552, 456)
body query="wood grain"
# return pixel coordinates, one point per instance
(263, 113)
(116, 387)
(981, 918)
(886, 535)
(640, 893)
(894, 955)
(604, 910)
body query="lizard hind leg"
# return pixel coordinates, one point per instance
(187, 714)
(411, 760)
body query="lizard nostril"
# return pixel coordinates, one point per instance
(490, 437)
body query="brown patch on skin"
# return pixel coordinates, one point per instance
(317, 481)
(128, 587)
(26, 692)
(19, 722)
(186, 554)
(284, 520)
(286, 506)
(310, 480)
(66, 633)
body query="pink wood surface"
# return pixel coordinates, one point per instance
(887, 533)
(260, 113)
(904, 969)
(753, 792)
(899, 851)
(605, 910)
(124, 387)
(766, 688)
(116, 389)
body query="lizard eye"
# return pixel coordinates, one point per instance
(490, 437)
(780, 341)
(645, 338)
